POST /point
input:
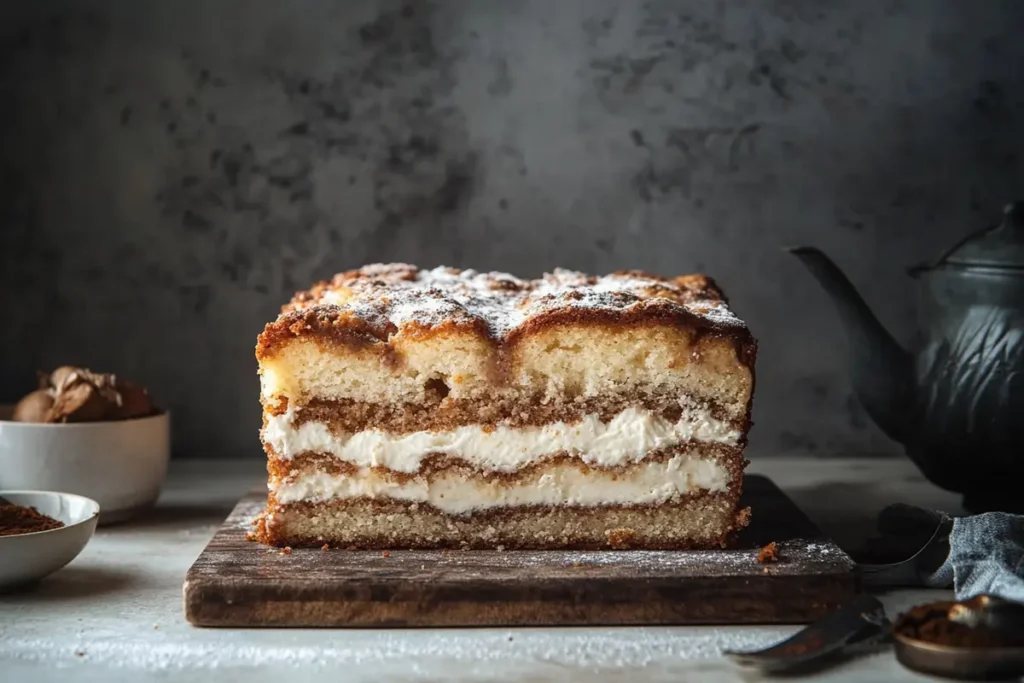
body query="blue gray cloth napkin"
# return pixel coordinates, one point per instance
(986, 555)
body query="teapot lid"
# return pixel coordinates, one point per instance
(1000, 246)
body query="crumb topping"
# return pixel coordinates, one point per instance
(388, 297)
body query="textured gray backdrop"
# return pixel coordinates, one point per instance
(172, 171)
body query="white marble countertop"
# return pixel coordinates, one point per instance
(115, 613)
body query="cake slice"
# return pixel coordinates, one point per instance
(409, 408)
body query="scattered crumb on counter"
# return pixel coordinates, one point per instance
(577, 564)
(325, 547)
(287, 550)
(385, 554)
(79, 653)
(768, 554)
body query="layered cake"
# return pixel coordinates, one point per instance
(409, 408)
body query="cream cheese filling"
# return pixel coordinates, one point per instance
(561, 484)
(627, 438)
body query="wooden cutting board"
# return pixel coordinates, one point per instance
(236, 582)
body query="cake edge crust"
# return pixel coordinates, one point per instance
(333, 326)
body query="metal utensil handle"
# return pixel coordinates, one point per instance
(859, 622)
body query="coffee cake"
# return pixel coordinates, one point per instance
(409, 408)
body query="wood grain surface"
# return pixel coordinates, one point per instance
(240, 583)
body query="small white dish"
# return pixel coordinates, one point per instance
(121, 464)
(25, 558)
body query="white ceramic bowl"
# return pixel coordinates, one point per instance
(121, 464)
(28, 557)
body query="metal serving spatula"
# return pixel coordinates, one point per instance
(860, 623)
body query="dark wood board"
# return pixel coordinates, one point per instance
(239, 583)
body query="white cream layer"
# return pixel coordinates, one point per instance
(626, 439)
(648, 483)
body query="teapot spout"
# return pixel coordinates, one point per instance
(882, 371)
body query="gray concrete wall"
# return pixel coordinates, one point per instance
(172, 171)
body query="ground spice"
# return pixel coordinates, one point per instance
(18, 519)
(767, 554)
(931, 623)
(810, 644)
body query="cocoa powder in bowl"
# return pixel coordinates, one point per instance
(930, 623)
(20, 519)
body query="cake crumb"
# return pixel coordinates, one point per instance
(385, 554)
(287, 550)
(768, 554)
(577, 564)
(79, 653)
(250, 536)
(325, 547)
(620, 538)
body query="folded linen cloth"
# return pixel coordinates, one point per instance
(986, 555)
(985, 552)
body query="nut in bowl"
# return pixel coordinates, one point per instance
(90, 434)
(40, 532)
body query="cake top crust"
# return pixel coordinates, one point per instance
(383, 299)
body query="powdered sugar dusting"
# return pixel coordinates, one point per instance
(391, 296)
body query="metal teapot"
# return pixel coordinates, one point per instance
(957, 403)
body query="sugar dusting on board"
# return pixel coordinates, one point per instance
(232, 581)
(390, 296)
(808, 556)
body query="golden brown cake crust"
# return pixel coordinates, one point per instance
(363, 309)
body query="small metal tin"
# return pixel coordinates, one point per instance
(963, 663)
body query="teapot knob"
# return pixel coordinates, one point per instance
(1013, 216)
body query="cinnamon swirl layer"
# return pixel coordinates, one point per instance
(561, 482)
(627, 438)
